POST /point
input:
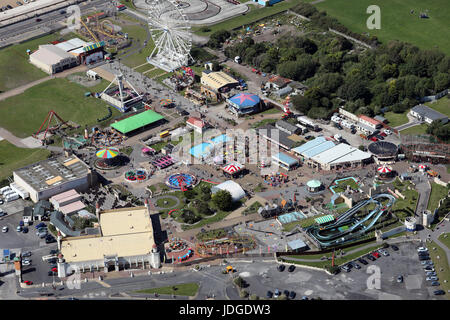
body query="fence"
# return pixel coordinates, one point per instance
(435, 97)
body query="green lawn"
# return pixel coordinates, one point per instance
(184, 289)
(442, 105)
(23, 114)
(405, 207)
(12, 157)
(441, 263)
(15, 70)
(170, 202)
(445, 239)
(253, 15)
(419, 129)
(397, 23)
(438, 192)
(396, 119)
(138, 34)
(342, 185)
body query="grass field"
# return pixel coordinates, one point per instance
(445, 239)
(184, 289)
(254, 14)
(12, 157)
(15, 70)
(396, 119)
(23, 114)
(419, 129)
(441, 263)
(397, 22)
(438, 192)
(442, 105)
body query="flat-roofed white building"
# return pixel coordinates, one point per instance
(126, 240)
(52, 59)
(340, 156)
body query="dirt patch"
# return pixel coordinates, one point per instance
(84, 80)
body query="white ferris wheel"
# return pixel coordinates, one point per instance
(171, 35)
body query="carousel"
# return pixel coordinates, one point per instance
(385, 172)
(106, 158)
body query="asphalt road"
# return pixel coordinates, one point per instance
(48, 20)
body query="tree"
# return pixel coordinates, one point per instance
(239, 282)
(189, 217)
(254, 297)
(203, 208)
(441, 81)
(243, 294)
(189, 194)
(222, 199)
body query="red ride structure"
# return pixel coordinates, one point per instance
(50, 115)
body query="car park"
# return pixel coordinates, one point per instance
(439, 292)
(291, 268)
(363, 261)
(281, 267)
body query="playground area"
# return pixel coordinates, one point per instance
(276, 179)
(181, 181)
(101, 138)
(291, 217)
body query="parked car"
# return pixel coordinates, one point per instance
(435, 283)
(379, 137)
(305, 298)
(38, 19)
(291, 268)
(5, 229)
(40, 225)
(42, 235)
(26, 254)
(26, 262)
(292, 295)
(346, 268)
(425, 258)
(281, 267)
(422, 249)
(50, 239)
(19, 229)
(400, 279)
(269, 294)
(54, 269)
(2, 213)
(286, 293)
(429, 262)
(276, 293)
(363, 261)
(431, 274)
(357, 266)
(384, 252)
(28, 282)
(394, 247)
(50, 273)
(439, 292)
(388, 132)
(52, 260)
(370, 257)
(376, 255)
(25, 230)
(383, 134)
(53, 251)
(373, 139)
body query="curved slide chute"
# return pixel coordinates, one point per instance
(347, 227)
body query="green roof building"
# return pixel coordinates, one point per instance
(138, 121)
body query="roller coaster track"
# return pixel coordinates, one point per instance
(88, 30)
(337, 236)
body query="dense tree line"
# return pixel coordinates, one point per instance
(393, 75)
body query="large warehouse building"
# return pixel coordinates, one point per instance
(47, 178)
(126, 241)
(51, 59)
(323, 154)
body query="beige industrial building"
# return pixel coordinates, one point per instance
(215, 83)
(53, 176)
(52, 59)
(126, 240)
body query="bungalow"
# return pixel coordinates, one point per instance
(368, 121)
(424, 113)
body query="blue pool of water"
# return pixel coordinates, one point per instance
(201, 150)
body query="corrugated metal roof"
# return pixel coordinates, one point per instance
(282, 157)
(318, 149)
(310, 144)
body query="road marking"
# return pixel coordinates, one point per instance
(103, 283)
